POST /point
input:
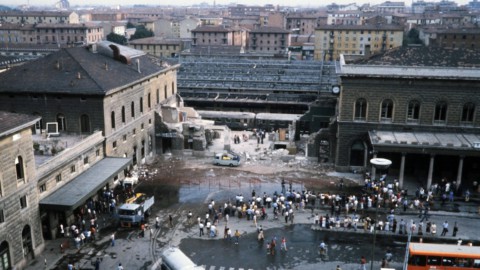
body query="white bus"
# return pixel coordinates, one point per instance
(174, 259)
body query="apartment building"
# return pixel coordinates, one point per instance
(450, 37)
(34, 17)
(269, 40)
(212, 35)
(355, 40)
(157, 46)
(85, 33)
(302, 24)
(61, 34)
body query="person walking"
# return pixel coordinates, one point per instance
(170, 220)
(97, 264)
(112, 239)
(200, 226)
(455, 229)
(445, 228)
(283, 246)
(120, 267)
(237, 236)
(363, 263)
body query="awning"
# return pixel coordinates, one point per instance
(78, 190)
(432, 141)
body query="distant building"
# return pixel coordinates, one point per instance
(157, 46)
(35, 17)
(43, 33)
(390, 7)
(62, 4)
(302, 24)
(355, 40)
(269, 40)
(212, 35)
(450, 37)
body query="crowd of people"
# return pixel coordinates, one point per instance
(374, 208)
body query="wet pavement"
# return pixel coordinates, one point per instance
(188, 183)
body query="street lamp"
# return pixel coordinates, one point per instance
(380, 164)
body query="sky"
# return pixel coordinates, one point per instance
(304, 3)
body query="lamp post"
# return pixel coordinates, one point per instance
(380, 164)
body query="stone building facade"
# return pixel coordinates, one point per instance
(269, 40)
(84, 91)
(424, 117)
(20, 229)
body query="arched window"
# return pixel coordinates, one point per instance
(440, 116)
(173, 88)
(386, 113)
(5, 256)
(123, 114)
(413, 111)
(468, 113)
(112, 119)
(84, 124)
(165, 92)
(141, 105)
(62, 126)
(149, 101)
(158, 96)
(132, 108)
(19, 167)
(360, 109)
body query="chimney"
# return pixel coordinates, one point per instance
(79, 75)
(138, 66)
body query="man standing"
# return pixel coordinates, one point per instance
(112, 239)
(283, 247)
(445, 228)
(363, 263)
(455, 229)
(237, 236)
(200, 226)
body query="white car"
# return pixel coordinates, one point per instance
(226, 159)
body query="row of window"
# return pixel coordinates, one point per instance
(73, 169)
(62, 122)
(132, 106)
(413, 111)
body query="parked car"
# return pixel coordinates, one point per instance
(227, 159)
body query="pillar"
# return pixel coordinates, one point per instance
(459, 172)
(402, 171)
(430, 172)
(374, 170)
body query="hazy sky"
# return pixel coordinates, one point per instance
(306, 3)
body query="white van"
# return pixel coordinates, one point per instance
(174, 259)
(227, 159)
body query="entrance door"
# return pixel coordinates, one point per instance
(27, 243)
(4, 256)
(357, 154)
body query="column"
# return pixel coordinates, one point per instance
(459, 172)
(374, 170)
(430, 172)
(402, 171)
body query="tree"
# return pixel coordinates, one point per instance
(141, 32)
(119, 39)
(412, 37)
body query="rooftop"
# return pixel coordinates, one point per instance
(425, 57)
(13, 122)
(81, 71)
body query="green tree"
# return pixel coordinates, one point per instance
(412, 37)
(141, 32)
(119, 39)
